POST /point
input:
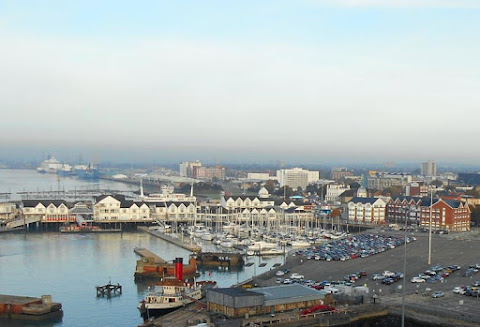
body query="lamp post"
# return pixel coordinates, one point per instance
(430, 229)
(404, 265)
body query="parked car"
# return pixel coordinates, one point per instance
(296, 276)
(378, 277)
(437, 294)
(280, 273)
(417, 280)
(459, 290)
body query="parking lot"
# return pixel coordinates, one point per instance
(446, 250)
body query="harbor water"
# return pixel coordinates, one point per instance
(69, 266)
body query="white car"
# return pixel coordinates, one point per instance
(280, 273)
(296, 276)
(417, 280)
(458, 290)
(388, 273)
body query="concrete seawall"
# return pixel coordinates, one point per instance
(168, 238)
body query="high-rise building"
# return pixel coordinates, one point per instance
(297, 177)
(428, 168)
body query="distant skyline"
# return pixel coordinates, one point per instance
(312, 81)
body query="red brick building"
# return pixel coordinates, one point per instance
(446, 215)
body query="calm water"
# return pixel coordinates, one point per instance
(69, 266)
(13, 181)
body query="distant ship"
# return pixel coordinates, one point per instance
(53, 166)
(87, 171)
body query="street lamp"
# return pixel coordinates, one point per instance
(404, 264)
(430, 229)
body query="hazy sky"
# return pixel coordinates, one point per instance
(323, 80)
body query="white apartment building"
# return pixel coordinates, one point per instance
(8, 210)
(47, 210)
(334, 191)
(297, 177)
(367, 210)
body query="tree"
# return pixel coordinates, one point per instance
(436, 183)
(284, 190)
(335, 213)
(270, 186)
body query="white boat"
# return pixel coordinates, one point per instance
(171, 294)
(261, 245)
(300, 244)
(207, 236)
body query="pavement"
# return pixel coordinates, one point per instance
(459, 249)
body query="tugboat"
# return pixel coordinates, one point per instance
(172, 293)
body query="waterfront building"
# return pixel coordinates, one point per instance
(428, 168)
(111, 208)
(46, 211)
(237, 302)
(367, 210)
(297, 177)
(8, 211)
(400, 208)
(447, 215)
(186, 168)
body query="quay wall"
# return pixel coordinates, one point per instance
(165, 237)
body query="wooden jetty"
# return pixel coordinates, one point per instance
(109, 290)
(191, 247)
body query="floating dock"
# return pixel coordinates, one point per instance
(191, 247)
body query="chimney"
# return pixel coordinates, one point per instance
(179, 268)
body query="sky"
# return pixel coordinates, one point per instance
(303, 80)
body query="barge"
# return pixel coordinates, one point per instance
(29, 308)
(150, 268)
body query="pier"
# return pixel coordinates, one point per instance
(146, 253)
(109, 290)
(191, 247)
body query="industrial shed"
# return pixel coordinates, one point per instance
(289, 297)
(234, 302)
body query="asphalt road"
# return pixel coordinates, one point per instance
(459, 249)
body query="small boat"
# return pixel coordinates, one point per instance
(171, 294)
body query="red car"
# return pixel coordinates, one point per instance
(318, 308)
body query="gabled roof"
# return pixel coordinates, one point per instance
(118, 197)
(363, 200)
(45, 203)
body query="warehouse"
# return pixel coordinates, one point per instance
(265, 300)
